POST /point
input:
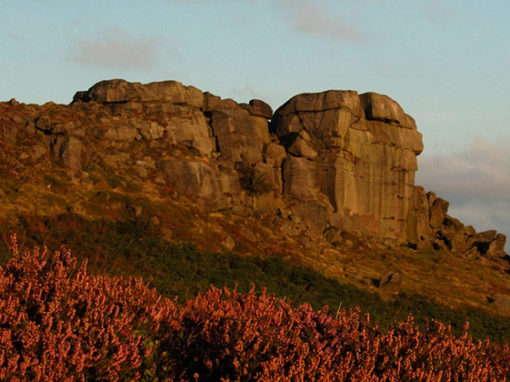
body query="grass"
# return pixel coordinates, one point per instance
(135, 247)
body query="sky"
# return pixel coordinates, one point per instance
(444, 61)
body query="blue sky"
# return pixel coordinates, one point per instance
(445, 61)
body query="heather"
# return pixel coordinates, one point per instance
(58, 322)
(135, 247)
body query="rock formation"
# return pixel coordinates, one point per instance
(354, 156)
(327, 164)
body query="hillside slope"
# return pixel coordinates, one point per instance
(327, 181)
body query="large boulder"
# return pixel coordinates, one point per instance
(241, 137)
(438, 211)
(191, 129)
(357, 152)
(121, 91)
(418, 220)
(197, 179)
(67, 150)
(258, 108)
(382, 108)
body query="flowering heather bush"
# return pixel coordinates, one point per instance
(59, 323)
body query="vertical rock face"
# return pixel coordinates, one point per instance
(351, 154)
(332, 164)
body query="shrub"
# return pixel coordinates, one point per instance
(135, 247)
(57, 322)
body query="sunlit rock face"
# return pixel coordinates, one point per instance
(351, 155)
(328, 167)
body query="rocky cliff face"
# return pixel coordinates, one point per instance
(352, 156)
(329, 165)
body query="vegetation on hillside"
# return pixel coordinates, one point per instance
(134, 247)
(57, 322)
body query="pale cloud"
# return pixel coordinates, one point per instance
(440, 12)
(311, 18)
(116, 49)
(246, 92)
(16, 37)
(475, 180)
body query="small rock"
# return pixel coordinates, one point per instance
(13, 102)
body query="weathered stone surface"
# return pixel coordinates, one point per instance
(341, 165)
(429, 225)
(383, 108)
(241, 137)
(230, 186)
(49, 124)
(228, 243)
(300, 179)
(121, 91)
(196, 179)
(213, 102)
(489, 242)
(320, 102)
(149, 130)
(67, 151)
(175, 92)
(258, 108)
(191, 129)
(364, 166)
(497, 246)
(303, 146)
(122, 133)
(418, 219)
(44, 124)
(438, 211)
(274, 154)
(314, 215)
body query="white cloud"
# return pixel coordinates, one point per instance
(116, 49)
(475, 180)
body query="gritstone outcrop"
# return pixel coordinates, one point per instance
(333, 165)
